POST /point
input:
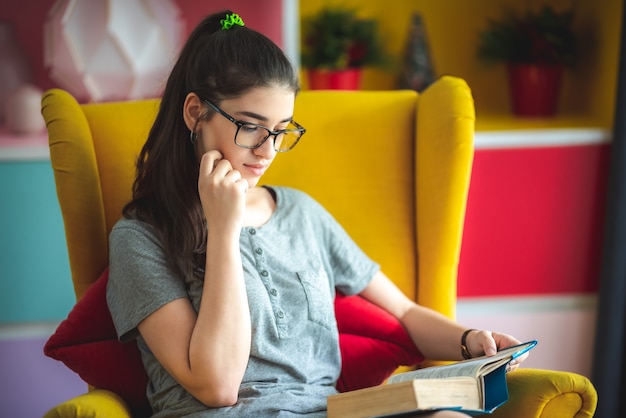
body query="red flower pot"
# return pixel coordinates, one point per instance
(535, 89)
(349, 79)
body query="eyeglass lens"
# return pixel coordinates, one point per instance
(252, 136)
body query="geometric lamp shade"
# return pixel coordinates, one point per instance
(110, 50)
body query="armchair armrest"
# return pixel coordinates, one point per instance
(98, 403)
(548, 394)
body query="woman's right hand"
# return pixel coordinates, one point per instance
(207, 350)
(222, 191)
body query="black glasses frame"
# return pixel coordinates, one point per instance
(275, 134)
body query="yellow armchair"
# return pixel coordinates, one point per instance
(393, 167)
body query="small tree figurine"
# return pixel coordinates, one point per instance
(417, 67)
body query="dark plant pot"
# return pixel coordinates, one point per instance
(349, 79)
(535, 89)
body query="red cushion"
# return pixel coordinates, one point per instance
(87, 343)
(373, 344)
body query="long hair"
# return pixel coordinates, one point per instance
(217, 65)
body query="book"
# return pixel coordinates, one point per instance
(476, 386)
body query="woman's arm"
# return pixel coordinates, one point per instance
(436, 336)
(208, 353)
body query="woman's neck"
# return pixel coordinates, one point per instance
(260, 205)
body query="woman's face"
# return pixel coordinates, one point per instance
(271, 107)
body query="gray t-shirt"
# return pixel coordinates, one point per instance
(292, 265)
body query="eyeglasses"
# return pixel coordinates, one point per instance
(252, 136)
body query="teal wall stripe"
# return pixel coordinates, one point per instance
(35, 281)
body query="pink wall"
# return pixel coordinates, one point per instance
(29, 16)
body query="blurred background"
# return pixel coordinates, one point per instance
(532, 246)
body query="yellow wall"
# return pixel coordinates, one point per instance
(452, 28)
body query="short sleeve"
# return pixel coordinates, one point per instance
(352, 268)
(140, 280)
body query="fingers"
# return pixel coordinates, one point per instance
(213, 163)
(222, 191)
(514, 364)
(503, 341)
(224, 171)
(490, 342)
(243, 185)
(482, 342)
(518, 361)
(217, 172)
(231, 176)
(511, 367)
(209, 162)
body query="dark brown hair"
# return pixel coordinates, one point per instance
(216, 64)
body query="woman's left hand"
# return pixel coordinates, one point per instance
(488, 342)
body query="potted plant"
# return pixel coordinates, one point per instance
(535, 46)
(336, 45)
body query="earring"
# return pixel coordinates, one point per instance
(193, 137)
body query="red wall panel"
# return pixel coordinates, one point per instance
(534, 221)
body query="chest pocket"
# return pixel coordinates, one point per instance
(319, 298)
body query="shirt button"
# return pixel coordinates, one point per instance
(264, 273)
(259, 251)
(280, 314)
(252, 231)
(273, 292)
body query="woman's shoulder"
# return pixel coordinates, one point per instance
(289, 194)
(132, 229)
(125, 223)
(295, 198)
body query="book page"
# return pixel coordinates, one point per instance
(473, 367)
(449, 370)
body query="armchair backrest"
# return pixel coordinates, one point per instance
(393, 167)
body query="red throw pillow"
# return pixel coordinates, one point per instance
(87, 343)
(373, 345)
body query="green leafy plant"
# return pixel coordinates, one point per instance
(336, 38)
(541, 37)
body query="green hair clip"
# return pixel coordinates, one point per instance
(231, 19)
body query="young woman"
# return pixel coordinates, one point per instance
(210, 273)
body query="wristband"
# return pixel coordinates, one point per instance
(464, 351)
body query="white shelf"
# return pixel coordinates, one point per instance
(534, 138)
(31, 147)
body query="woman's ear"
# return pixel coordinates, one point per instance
(192, 110)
